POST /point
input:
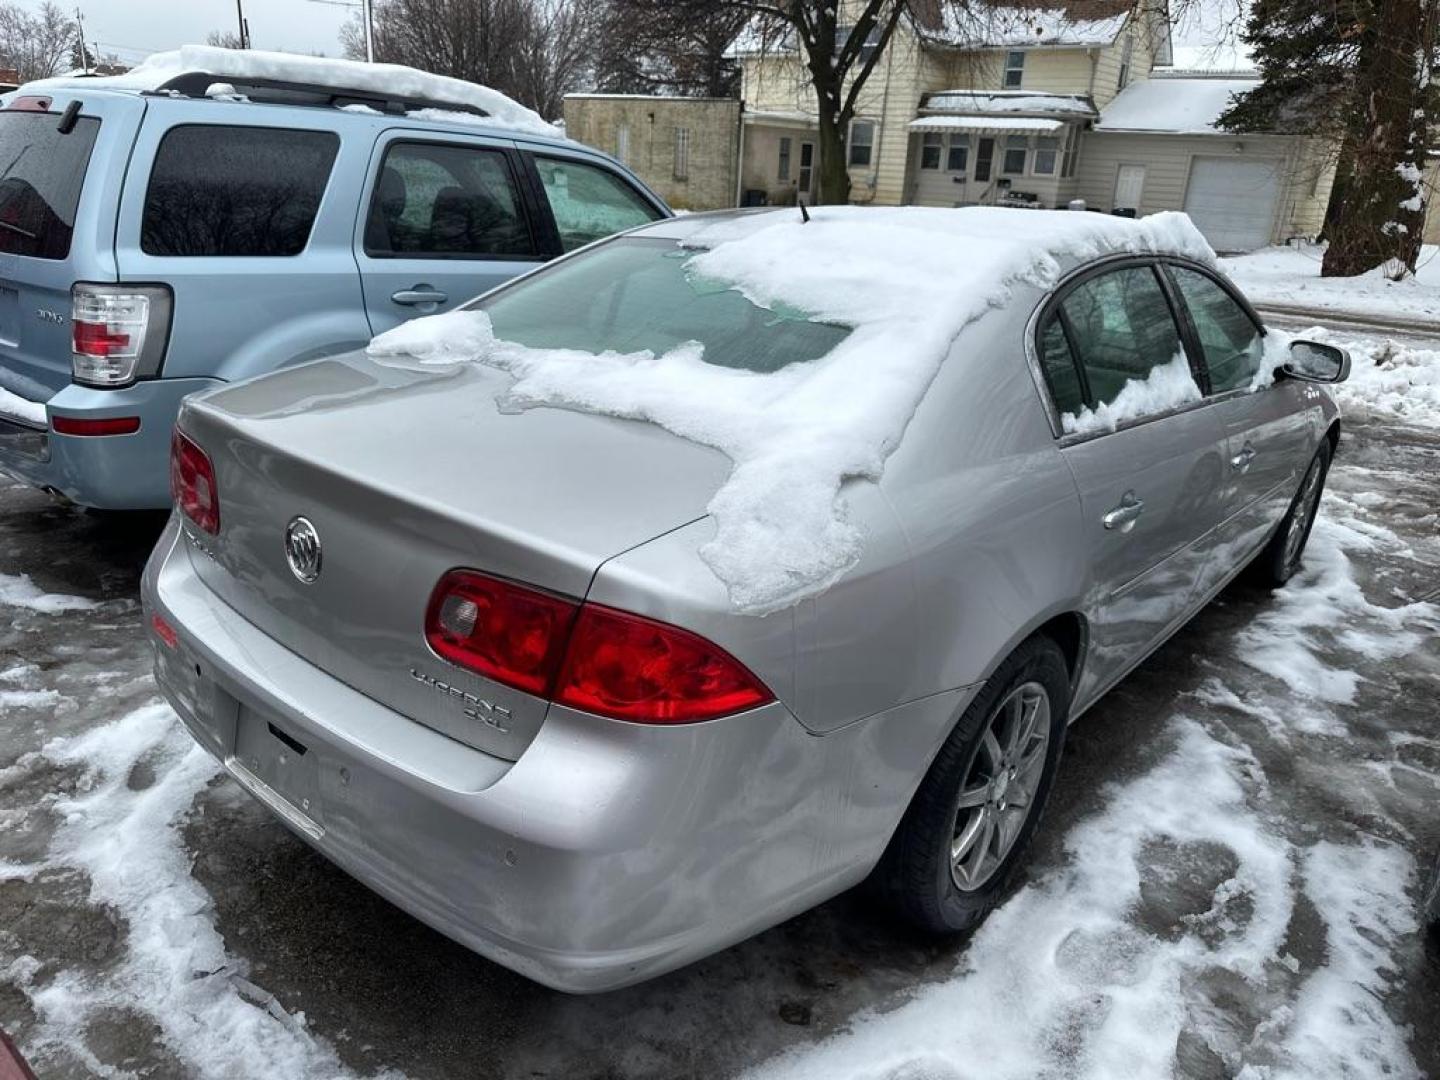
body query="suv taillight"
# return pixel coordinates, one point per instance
(192, 483)
(586, 656)
(117, 332)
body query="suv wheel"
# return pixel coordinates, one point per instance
(974, 814)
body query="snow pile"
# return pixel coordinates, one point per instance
(1168, 386)
(1290, 277)
(907, 280)
(174, 966)
(1172, 105)
(17, 590)
(1392, 378)
(395, 79)
(14, 407)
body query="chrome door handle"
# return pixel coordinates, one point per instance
(1123, 517)
(1241, 461)
(419, 296)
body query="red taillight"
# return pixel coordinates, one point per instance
(633, 668)
(164, 631)
(509, 633)
(192, 483)
(99, 339)
(105, 425)
(588, 657)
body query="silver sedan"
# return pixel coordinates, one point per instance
(475, 656)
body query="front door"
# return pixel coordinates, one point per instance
(442, 221)
(1145, 454)
(1129, 187)
(984, 160)
(807, 169)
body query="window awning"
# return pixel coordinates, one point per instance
(985, 123)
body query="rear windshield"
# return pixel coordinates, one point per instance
(637, 293)
(238, 191)
(41, 172)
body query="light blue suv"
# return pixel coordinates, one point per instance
(159, 242)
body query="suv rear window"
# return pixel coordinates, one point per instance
(40, 184)
(246, 191)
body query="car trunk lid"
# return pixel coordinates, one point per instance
(405, 475)
(59, 190)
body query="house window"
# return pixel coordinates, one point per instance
(1014, 69)
(1067, 158)
(1126, 51)
(867, 50)
(784, 171)
(622, 143)
(930, 147)
(1016, 147)
(682, 153)
(862, 142)
(958, 159)
(1046, 149)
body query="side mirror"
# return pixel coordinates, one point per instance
(1313, 362)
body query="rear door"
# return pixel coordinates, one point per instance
(1268, 434)
(58, 196)
(444, 219)
(1145, 454)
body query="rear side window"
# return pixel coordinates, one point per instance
(40, 184)
(235, 191)
(590, 203)
(1231, 341)
(436, 201)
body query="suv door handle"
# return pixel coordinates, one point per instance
(1123, 517)
(1241, 461)
(419, 296)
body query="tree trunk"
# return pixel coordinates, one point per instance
(834, 188)
(1385, 147)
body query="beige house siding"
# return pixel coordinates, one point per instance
(1431, 234)
(1167, 160)
(653, 125)
(761, 168)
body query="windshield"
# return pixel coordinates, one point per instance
(636, 293)
(41, 171)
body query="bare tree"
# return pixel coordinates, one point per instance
(36, 44)
(224, 39)
(661, 47)
(535, 51)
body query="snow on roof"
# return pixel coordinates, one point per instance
(393, 79)
(1222, 57)
(985, 123)
(1075, 24)
(906, 280)
(1008, 101)
(1173, 106)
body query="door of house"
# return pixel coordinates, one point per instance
(984, 158)
(807, 169)
(1129, 186)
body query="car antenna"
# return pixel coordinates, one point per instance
(804, 214)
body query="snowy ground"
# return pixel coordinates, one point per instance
(1291, 277)
(1224, 886)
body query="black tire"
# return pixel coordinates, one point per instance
(1278, 561)
(915, 877)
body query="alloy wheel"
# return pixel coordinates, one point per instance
(1303, 515)
(999, 791)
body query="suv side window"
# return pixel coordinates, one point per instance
(223, 190)
(1127, 359)
(1232, 343)
(444, 202)
(590, 203)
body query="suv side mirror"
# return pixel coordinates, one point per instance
(1313, 362)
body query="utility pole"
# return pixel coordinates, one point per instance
(80, 32)
(369, 18)
(244, 31)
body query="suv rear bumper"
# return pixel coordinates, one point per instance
(108, 472)
(608, 854)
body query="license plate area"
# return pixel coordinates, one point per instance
(278, 768)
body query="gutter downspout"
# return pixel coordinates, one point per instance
(740, 153)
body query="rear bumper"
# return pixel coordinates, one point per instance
(608, 854)
(109, 472)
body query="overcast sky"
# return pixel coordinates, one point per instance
(132, 28)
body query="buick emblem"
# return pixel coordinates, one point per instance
(302, 549)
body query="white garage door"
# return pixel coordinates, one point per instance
(1232, 201)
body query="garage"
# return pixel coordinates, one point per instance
(1232, 200)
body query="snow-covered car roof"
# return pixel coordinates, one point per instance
(466, 100)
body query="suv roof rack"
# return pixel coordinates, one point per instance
(194, 84)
